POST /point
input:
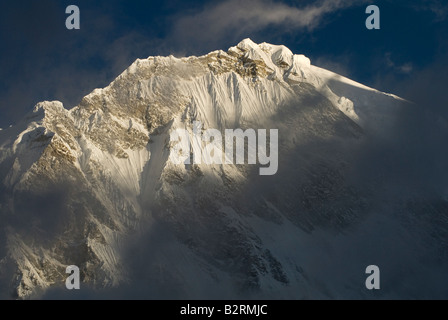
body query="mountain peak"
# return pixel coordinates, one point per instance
(247, 44)
(279, 55)
(48, 107)
(109, 159)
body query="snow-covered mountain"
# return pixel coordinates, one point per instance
(94, 186)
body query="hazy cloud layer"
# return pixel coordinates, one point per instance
(438, 7)
(405, 68)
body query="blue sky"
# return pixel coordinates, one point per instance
(41, 60)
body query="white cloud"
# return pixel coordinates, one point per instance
(438, 7)
(405, 68)
(235, 19)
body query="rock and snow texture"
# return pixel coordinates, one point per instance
(93, 186)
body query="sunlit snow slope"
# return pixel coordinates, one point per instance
(94, 186)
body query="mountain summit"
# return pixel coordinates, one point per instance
(94, 187)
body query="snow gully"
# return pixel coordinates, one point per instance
(195, 146)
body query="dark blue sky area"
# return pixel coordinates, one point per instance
(41, 60)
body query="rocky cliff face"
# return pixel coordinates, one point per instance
(94, 186)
